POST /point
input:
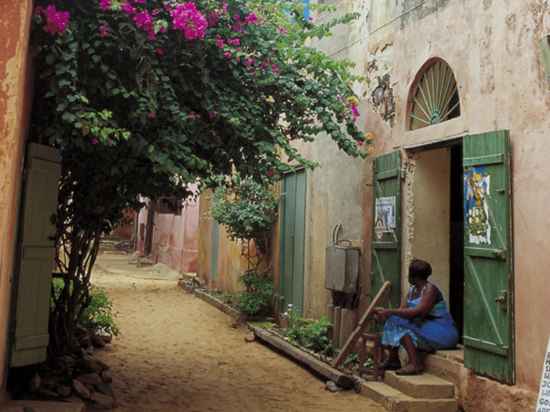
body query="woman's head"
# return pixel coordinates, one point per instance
(419, 270)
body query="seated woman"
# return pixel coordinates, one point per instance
(422, 323)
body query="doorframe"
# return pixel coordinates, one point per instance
(446, 142)
(280, 292)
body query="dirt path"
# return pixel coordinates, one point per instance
(177, 353)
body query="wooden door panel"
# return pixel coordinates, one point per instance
(36, 256)
(386, 243)
(488, 257)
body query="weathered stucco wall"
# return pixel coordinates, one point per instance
(336, 190)
(14, 109)
(492, 46)
(230, 262)
(175, 237)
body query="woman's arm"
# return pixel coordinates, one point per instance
(424, 307)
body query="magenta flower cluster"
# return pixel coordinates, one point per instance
(189, 20)
(57, 21)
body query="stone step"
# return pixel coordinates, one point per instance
(425, 386)
(42, 406)
(394, 400)
(446, 368)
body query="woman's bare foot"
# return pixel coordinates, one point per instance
(411, 369)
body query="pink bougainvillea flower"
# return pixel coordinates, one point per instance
(159, 51)
(234, 42)
(189, 20)
(213, 18)
(56, 20)
(144, 21)
(220, 43)
(152, 115)
(237, 27)
(355, 112)
(282, 30)
(104, 30)
(94, 141)
(212, 115)
(139, 1)
(249, 61)
(39, 11)
(225, 7)
(251, 19)
(105, 4)
(227, 54)
(270, 173)
(128, 8)
(275, 69)
(360, 143)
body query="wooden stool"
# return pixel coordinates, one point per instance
(370, 347)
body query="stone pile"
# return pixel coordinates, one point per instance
(78, 375)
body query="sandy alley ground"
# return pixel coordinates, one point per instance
(177, 353)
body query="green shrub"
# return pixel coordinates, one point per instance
(308, 333)
(248, 210)
(99, 314)
(257, 298)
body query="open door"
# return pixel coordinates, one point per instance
(36, 256)
(488, 257)
(386, 240)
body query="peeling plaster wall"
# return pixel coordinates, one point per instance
(231, 263)
(14, 108)
(175, 238)
(336, 189)
(493, 49)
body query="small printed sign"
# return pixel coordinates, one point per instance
(384, 219)
(543, 403)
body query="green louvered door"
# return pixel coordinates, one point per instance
(36, 259)
(293, 241)
(386, 240)
(488, 257)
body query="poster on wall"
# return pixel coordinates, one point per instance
(477, 187)
(543, 402)
(384, 216)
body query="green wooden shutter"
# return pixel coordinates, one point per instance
(488, 258)
(293, 241)
(36, 256)
(386, 241)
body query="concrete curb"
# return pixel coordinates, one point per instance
(206, 297)
(304, 358)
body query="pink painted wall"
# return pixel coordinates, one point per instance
(175, 237)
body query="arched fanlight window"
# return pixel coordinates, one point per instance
(434, 96)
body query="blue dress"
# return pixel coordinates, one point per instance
(435, 331)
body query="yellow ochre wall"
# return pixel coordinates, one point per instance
(15, 18)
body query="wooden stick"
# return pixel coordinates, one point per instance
(346, 349)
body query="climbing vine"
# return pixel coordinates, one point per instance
(143, 97)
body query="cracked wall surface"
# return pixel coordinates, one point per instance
(493, 48)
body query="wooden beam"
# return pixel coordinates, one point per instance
(356, 334)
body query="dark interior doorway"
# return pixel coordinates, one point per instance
(456, 289)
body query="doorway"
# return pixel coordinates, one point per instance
(438, 225)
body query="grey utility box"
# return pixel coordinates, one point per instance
(342, 264)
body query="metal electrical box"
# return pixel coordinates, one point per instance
(342, 264)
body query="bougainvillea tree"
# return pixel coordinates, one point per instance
(144, 96)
